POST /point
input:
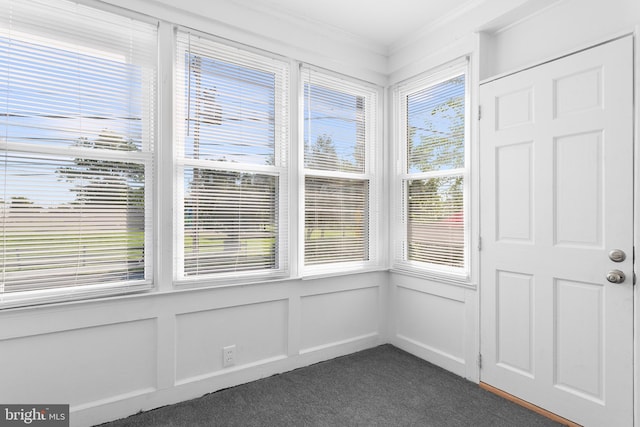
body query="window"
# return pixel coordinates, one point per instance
(78, 99)
(339, 191)
(433, 176)
(78, 92)
(232, 121)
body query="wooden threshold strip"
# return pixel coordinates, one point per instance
(529, 406)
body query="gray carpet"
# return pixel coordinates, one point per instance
(382, 386)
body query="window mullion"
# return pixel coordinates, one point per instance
(338, 175)
(434, 174)
(104, 154)
(231, 167)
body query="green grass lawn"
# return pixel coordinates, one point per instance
(24, 251)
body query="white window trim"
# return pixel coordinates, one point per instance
(373, 173)
(399, 261)
(281, 171)
(147, 158)
(163, 186)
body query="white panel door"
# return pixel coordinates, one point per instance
(556, 197)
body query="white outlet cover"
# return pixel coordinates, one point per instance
(228, 355)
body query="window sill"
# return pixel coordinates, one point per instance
(345, 272)
(72, 295)
(227, 282)
(447, 279)
(222, 281)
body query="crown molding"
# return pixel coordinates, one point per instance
(307, 23)
(272, 31)
(434, 26)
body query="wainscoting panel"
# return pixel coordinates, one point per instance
(111, 358)
(83, 367)
(338, 318)
(259, 332)
(435, 322)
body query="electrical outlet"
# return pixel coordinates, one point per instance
(229, 355)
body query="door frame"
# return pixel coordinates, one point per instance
(636, 226)
(635, 33)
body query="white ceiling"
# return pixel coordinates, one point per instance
(383, 22)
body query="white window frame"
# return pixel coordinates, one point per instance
(372, 174)
(400, 176)
(146, 157)
(280, 169)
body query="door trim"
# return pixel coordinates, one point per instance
(636, 226)
(477, 167)
(564, 55)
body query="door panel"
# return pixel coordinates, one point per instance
(556, 162)
(514, 185)
(514, 310)
(579, 364)
(578, 185)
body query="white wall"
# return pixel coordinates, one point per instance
(112, 358)
(439, 322)
(267, 29)
(562, 28)
(454, 36)
(434, 321)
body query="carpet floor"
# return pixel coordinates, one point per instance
(382, 386)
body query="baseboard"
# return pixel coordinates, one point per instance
(529, 406)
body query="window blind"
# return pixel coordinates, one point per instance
(435, 223)
(339, 135)
(436, 126)
(434, 175)
(77, 86)
(232, 121)
(335, 136)
(336, 220)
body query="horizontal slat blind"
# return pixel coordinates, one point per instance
(435, 127)
(230, 221)
(336, 220)
(232, 123)
(433, 205)
(235, 103)
(339, 135)
(435, 223)
(77, 71)
(98, 237)
(334, 124)
(78, 90)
